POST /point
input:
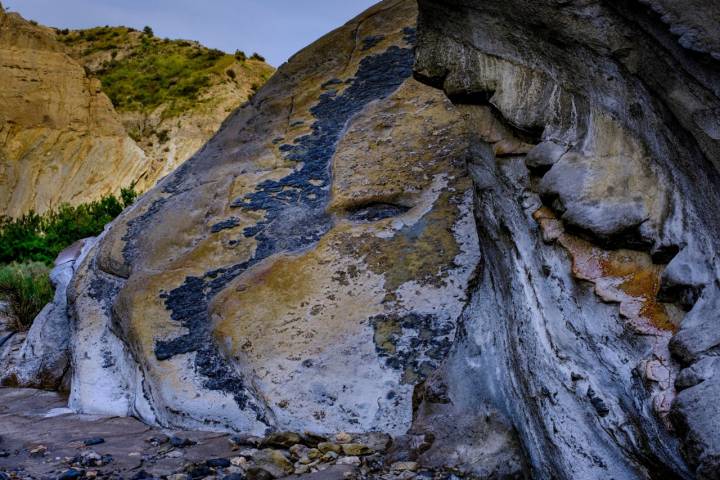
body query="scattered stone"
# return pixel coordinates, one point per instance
(274, 462)
(356, 449)
(158, 440)
(234, 476)
(4, 476)
(218, 463)
(141, 475)
(325, 447)
(91, 474)
(248, 452)
(314, 453)
(71, 474)
(329, 457)
(343, 437)
(243, 440)
(4, 454)
(239, 461)
(195, 470)
(256, 473)
(178, 476)
(174, 454)
(298, 450)
(348, 461)
(282, 439)
(404, 466)
(38, 451)
(93, 441)
(311, 439)
(179, 442)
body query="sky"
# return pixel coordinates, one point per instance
(274, 28)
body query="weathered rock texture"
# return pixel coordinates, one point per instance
(60, 139)
(571, 328)
(306, 269)
(509, 261)
(40, 357)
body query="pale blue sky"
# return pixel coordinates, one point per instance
(273, 28)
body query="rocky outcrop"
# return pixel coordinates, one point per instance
(571, 328)
(40, 357)
(60, 139)
(508, 262)
(368, 267)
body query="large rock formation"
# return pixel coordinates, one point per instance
(306, 269)
(572, 337)
(508, 262)
(60, 139)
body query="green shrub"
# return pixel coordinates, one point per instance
(148, 31)
(230, 73)
(39, 238)
(26, 287)
(257, 56)
(240, 56)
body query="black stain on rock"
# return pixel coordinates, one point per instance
(413, 343)
(295, 218)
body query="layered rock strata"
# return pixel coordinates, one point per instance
(571, 328)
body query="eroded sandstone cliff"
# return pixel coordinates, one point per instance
(60, 139)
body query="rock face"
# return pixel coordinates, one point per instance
(306, 269)
(509, 261)
(40, 358)
(60, 139)
(620, 106)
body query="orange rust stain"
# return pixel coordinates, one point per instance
(628, 277)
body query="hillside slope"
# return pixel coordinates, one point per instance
(85, 113)
(60, 138)
(171, 95)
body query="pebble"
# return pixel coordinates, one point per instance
(234, 476)
(198, 471)
(325, 447)
(355, 449)
(314, 453)
(239, 461)
(255, 473)
(93, 441)
(343, 437)
(329, 457)
(245, 440)
(174, 454)
(248, 452)
(158, 440)
(298, 450)
(282, 439)
(178, 476)
(348, 461)
(38, 451)
(179, 442)
(404, 466)
(91, 474)
(4, 453)
(71, 474)
(218, 463)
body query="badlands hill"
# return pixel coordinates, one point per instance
(85, 113)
